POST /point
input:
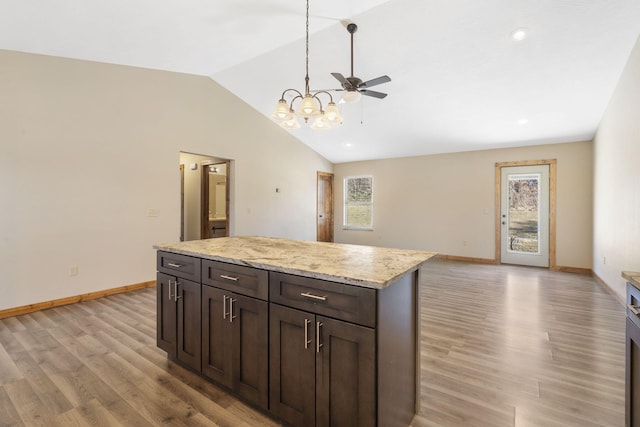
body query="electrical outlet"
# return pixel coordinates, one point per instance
(464, 243)
(153, 212)
(604, 259)
(73, 270)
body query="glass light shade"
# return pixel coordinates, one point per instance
(332, 114)
(282, 111)
(291, 123)
(320, 124)
(351, 96)
(309, 107)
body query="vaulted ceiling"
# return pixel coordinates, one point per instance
(459, 80)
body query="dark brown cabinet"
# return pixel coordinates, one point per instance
(178, 306)
(633, 357)
(179, 320)
(314, 353)
(235, 343)
(322, 370)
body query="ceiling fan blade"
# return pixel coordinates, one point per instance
(376, 81)
(328, 90)
(373, 93)
(340, 78)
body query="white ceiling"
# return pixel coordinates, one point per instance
(459, 82)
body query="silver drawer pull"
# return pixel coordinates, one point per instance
(231, 316)
(634, 309)
(307, 341)
(318, 343)
(174, 265)
(224, 276)
(312, 296)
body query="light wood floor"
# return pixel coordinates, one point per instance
(501, 346)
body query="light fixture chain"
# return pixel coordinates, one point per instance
(307, 53)
(310, 103)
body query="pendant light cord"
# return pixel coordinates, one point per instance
(306, 79)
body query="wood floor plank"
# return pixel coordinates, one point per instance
(9, 416)
(91, 413)
(31, 409)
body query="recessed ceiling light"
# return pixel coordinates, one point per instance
(519, 34)
(523, 121)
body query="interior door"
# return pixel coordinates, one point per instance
(524, 215)
(325, 207)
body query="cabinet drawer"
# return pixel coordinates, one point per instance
(345, 302)
(183, 266)
(633, 304)
(243, 280)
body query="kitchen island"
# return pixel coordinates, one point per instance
(314, 333)
(632, 350)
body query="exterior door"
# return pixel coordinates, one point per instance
(325, 207)
(524, 215)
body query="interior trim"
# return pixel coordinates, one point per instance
(25, 309)
(604, 285)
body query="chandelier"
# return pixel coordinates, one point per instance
(310, 105)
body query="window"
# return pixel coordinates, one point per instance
(358, 202)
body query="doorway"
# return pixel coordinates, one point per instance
(195, 199)
(525, 226)
(325, 207)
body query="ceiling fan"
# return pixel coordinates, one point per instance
(354, 85)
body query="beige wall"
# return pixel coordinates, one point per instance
(617, 182)
(440, 202)
(86, 148)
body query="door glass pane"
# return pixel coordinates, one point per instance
(524, 213)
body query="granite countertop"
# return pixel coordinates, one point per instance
(632, 277)
(367, 266)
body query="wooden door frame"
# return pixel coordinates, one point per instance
(182, 202)
(552, 205)
(319, 176)
(204, 195)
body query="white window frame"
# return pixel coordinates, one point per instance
(346, 226)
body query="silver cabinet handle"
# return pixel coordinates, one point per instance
(312, 296)
(170, 290)
(318, 343)
(224, 276)
(175, 291)
(224, 306)
(307, 341)
(231, 316)
(634, 309)
(171, 264)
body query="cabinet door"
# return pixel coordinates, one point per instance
(189, 323)
(345, 375)
(292, 365)
(249, 325)
(633, 375)
(166, 331)
(216, 336)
